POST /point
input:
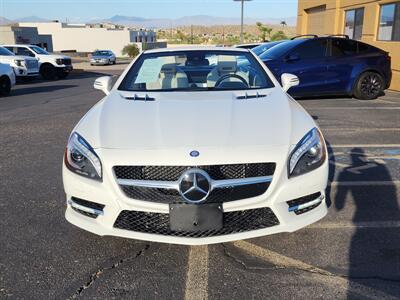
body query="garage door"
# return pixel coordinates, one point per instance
(316, 20)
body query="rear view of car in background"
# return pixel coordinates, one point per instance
(103, 57)
(51, 66)
(23, 66)
(331, 66)
(7, 79)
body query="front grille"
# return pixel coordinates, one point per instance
(66, 61)
(303, 200)
(216, 172)
(32, 64)
(234, 222)
(216, 196)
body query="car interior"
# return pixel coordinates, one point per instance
(196, 71)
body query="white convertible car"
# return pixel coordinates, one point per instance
(195, 146)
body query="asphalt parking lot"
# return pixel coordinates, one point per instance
(353, 253)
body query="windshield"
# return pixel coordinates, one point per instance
(280, 49)
(198, 70)
(39, 50)
(264, 47)
(5, 52)
(101, 53)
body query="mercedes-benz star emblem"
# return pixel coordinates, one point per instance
(194, 185)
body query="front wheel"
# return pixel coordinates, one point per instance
(48, 72)
(369, 86)
(5, 86)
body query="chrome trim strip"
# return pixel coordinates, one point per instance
(169, 185)
(85, 208)
(239, 182)
(174, 185)
(307, 204)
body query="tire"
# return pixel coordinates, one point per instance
(114, 62)
(369, 86)
(62, 75)
(109, 62)
(48, 72)
(5, 86)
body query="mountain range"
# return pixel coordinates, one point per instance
(203, 20)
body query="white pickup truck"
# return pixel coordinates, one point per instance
(7, 79)
(23, 66)
(51, 66)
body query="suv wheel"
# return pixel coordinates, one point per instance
(48, 72)
(5, 86)
(369, 86)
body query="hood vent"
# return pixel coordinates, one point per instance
(251, 96)
(140, 98)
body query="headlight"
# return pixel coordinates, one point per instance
(19, 62)
(82, 159)
(59, 61)
(309, 154)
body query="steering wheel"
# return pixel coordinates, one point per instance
(226, 76)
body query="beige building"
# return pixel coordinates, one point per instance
(87, 38)
(374, 22)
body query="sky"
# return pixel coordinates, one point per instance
(86, 10)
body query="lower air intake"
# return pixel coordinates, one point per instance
(234, 222)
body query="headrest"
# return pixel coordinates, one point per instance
(169, 66)
(227, 64)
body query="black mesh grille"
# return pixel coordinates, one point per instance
(66, 61)
(303, 200)
(234, 222)
(216, 196)
(216, 172)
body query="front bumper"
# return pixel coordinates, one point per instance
(100, 62)
(21, 72)
(109, 194)
(65, 68)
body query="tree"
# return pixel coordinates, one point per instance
(283, 23)
(279, 35)
(264, 30)
(131, 50)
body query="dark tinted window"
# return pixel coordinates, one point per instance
(24, 52)
(5, 52)
(311, 49)
(344, 47)
(364, 48)
(281, 49)
(11, 49)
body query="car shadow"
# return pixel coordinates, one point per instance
(373, 250)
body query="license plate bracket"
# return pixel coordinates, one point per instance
(194, 218)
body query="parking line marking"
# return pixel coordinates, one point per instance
(360, 129)
(365, 145)
(319, 274)
(355, 108)
(358, 225)
(364, 183)
(197, 274)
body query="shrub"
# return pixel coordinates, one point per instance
(131, 50)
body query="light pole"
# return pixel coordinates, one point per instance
(241, 22)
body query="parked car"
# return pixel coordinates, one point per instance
(260, 49)
(103, 57)
(247, 46)
(188, 152)
(23, 66)
(7, 79)
(331, 66)
(51, 66)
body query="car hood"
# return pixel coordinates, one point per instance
(53, 56)
(196, 119)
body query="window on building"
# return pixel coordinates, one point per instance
(354, 23)
(389, 23)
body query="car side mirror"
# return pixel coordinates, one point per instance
(103, 84)
(293, 57)
(288, 81)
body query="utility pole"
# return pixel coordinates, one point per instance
(241, 20)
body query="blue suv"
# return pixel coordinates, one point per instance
(331, 66)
